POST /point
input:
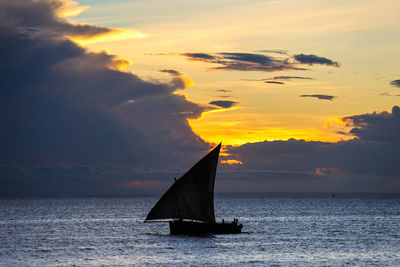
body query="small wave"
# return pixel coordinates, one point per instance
(85, 248)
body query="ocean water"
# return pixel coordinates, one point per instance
(278, 231)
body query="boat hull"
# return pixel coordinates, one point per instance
(200, 228)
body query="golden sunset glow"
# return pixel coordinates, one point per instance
(239, 137)
(120, 64)
(238, 131)
(276, 99)
(112, 36)
(332, 122)
(70, 9)
(231, 162)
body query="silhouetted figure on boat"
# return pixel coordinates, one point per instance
(192, 197)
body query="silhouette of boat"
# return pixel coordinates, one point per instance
(189, 202)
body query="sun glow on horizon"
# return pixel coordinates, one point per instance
(241, 135)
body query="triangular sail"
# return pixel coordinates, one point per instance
(192, 195)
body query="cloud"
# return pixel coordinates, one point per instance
(321, 97)
(395, 83)
(199, 56)
(258, 62)
(68, 179)
(376, 127)
(181, 81)
(172, 72)
(274, 82)
(276, 51)
(224, 91)
(368, 163)
(242, 61)
(73, 123)
(62, 104)
(387, 94)
(224, 103)
(248, 57)
(278, 79)
(231, 162)
(379, 132)
(290, 78)
(313, 59)
(50, 17)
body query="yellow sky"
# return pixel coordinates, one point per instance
(363, 36)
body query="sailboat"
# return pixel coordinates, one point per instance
(189, 202)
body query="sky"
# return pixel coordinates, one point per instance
(102, 97)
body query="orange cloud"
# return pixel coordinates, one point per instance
(68, 9)
(231, 162)
(336, 121)
(120, 64)
(180, 80)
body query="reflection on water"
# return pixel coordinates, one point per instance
(277, 231)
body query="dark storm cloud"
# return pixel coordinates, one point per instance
(68, 179)
(395, 83)
(44, 16)
(223, 103)
(313, 59)
(321, 97)
(62, 104)
(274, 82)
(377, 127)
(164, 119)
(367, 163)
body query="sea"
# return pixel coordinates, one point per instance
(278, 230)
